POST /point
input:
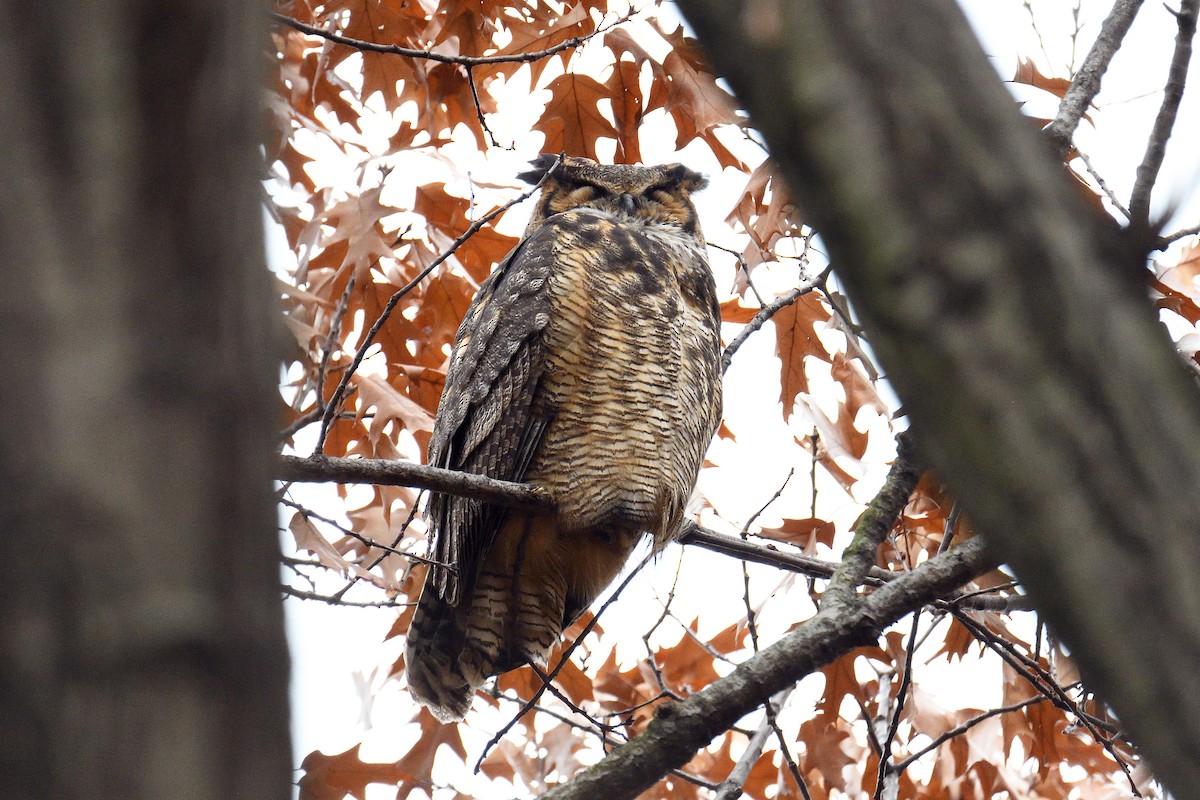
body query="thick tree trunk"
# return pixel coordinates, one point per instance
(1038, 381)
(141, 640)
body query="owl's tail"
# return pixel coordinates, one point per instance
(513, 616)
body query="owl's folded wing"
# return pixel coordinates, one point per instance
(487, 421)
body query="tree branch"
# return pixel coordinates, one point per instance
(733, 787)
(1177, 235)
(430, 55)
(1086, 83)
(874, 524)
(680, 729)
(1164, 123)
(959, 730)
(768, 311)
(383, 472)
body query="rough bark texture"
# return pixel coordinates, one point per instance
(141, 642)
(1038, 382)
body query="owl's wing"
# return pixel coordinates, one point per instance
(490, 420)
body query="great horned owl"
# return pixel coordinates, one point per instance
(588, 364)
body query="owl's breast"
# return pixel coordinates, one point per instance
(632, 379)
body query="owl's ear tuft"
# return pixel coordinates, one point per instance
(687, 179)
(539, 167)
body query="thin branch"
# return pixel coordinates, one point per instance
(318, 410)
(853, 332)
(300, 594)
(966, 726)
(743, 268)
(354, 578)
(429, 55)
(607, 740)
(1037, 29)
(750, 620)
(383, 472)
(872, 739)
(302, 421)
(1177, 235)
(1086, 83)
(370, 543)
(1109, 193)
(886, 768)
(1156, 147)
(691, 634)
(335, 327)
(1045, 684)
(784, 750)
(767, 555)
(769, 311)
(479, 108)
(731, 788)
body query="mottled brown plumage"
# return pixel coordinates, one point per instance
(589, 364)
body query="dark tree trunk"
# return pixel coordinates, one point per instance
(1038, 381)
(141, 639)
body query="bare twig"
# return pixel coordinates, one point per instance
(1086, 83)
(750, 620)
(332, 600)
(1037, 29)
(885, 767)
(731, 787)
(1109, 193)
(948, 530)
(429, 55)
(608, 741)
(387, 550)
(1177, 235)
(302, 421)
(318, 469)
(335, 327)
(1156, 147)
(854, 332)
(769, 311)
(743, 268)
(872, 738)
(478, 107)
(1044, 683)
(959, 730)
(784, 749)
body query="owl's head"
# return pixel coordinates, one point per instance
(659, 195)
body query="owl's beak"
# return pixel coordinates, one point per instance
(627, 204)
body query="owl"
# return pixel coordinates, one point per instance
(589, 364)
